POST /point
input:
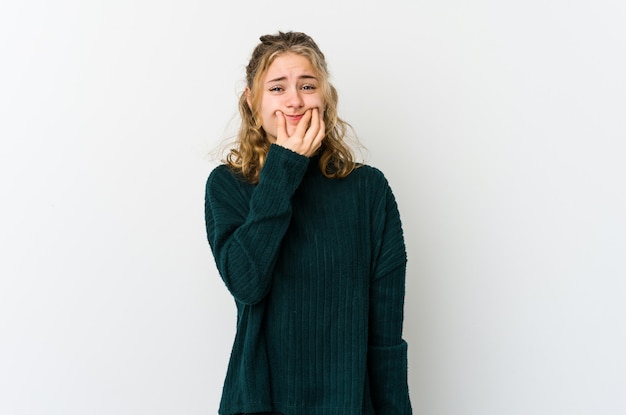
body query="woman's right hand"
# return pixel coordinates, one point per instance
(308, 136)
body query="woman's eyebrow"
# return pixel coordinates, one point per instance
(282, 78)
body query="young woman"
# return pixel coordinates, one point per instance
(310, 245)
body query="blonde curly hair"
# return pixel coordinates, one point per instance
(251, 144)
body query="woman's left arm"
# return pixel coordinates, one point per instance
(387, 352)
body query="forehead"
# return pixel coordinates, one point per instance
(290, 64)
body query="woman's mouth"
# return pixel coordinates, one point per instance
(294, 118)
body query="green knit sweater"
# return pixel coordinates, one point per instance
(317, 270)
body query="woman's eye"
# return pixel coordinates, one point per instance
(275, 89)
(308, 87)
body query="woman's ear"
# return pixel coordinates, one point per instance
(249, 97)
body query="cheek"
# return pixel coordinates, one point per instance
(316, 101)
(269, 122)
(267, 111)
(268, 117)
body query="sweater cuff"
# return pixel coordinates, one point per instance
(284, 167)
(387, 367)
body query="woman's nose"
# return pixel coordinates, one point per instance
(294, 99)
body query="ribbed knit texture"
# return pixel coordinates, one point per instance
(317, 270)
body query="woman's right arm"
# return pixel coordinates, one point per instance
(245, 235)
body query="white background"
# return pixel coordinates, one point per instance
(500, 125)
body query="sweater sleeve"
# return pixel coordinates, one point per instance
(387, 352)
(245, 235)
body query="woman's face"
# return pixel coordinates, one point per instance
(292, 86)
